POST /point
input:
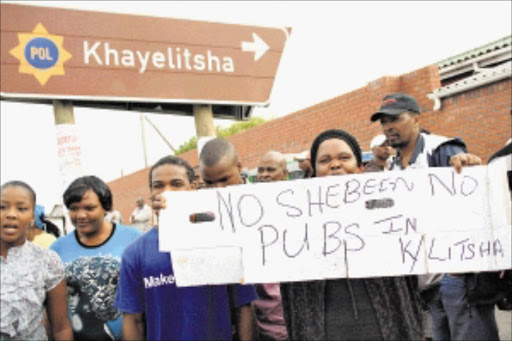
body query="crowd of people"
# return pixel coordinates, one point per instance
(108, 281)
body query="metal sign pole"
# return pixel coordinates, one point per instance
(205, 130)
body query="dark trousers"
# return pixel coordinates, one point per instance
(454, 319)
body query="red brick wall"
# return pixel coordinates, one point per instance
(127, 189)
(482, 117)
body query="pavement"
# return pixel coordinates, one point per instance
(504, 320)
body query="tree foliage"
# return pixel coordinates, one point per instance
(222, 132)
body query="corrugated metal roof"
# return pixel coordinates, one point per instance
(483, 77)
(496, 45)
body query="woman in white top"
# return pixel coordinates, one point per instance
(30, 275)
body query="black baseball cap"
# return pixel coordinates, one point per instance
(395, 104)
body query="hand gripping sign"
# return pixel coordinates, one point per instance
(365, 225)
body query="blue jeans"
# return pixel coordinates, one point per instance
(454, 319)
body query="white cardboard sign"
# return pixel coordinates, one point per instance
(69, 152)
(365, 225)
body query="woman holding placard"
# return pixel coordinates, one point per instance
(384, 308)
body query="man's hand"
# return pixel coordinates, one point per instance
(463, 160)
(158, 202)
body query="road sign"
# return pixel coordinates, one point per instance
(51, 53)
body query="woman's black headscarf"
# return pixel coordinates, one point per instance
(335, 134)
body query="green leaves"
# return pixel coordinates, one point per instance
(222, 132)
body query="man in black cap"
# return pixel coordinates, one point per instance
(399, 118)
(445, 294)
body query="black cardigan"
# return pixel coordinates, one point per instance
(394, 299)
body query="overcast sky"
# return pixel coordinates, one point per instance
(334, 48)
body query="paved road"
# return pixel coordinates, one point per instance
(504, 319)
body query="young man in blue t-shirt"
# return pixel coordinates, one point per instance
(153, 307)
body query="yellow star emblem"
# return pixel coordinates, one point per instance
(41, 54)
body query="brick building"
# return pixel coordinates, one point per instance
(468, 95)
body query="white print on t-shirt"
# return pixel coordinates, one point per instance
(151, 282)
(92, 283)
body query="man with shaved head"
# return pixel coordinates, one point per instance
(219, 164)
(269, 308)
(272, 167)
(219, 167)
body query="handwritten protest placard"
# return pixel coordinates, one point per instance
(69, 152)
(365, 225)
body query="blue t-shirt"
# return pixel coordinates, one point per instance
(92, 274)
(147, 285)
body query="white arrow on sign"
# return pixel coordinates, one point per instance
(258, 46)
